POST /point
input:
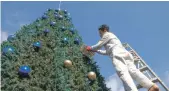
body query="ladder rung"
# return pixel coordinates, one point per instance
(136, 58)
(155, 79)
(143, 68)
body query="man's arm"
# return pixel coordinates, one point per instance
(101, 43)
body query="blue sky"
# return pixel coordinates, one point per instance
(144, 25)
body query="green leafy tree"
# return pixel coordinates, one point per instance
(43, 46)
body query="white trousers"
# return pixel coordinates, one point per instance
(124, 64)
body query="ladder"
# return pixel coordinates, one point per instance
(144, 68)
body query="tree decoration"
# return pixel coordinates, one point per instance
(63, 28)
(77, 41)
(65, 40)
(37, 46)
(72, 30)
(60, 17)
(67, 63)
(24, 71)
(46, 31)
(68, 17)
(92, 75)
(11, 37)
(68, 14)
(8, 49)
(56, 16)
(37, 20)
(49, 9)
(52, 23)
(65, 11)
(44, 17)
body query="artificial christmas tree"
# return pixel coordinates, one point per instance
(52, 60)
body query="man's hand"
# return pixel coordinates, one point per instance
(88, 48)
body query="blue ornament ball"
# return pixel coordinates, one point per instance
(60, 17)
(68, 14)
(44, 17)
(37, 44)
(11, 37)
(38, 20)
(8, 49)
(77, 41)
(49, 9)
(65, 11)
(65, 40)
(46, 31)
(63, 28)
(52, 23)
(56, 16)
(24, 69)
(72, 30)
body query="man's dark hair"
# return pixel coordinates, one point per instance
(104, 27)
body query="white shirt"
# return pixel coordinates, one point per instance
(109, 41)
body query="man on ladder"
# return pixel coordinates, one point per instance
(122, 61)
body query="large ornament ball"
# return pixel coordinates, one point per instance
(56, 16)
(37, 19)
(37, 44)
(24, 69)
(65, 40)
(10, 37)
(68, 14)
(72, 30)
(52, 23)
(44, 17)
(46, 31)
(63, 28)
(92, 75)
(60, 17)
(65, 11)
(8, 49)
(67, 63)
(49, 9)
(77, 41)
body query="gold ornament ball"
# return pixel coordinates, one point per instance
(92, 75)
(68, 63)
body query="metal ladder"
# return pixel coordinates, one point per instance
(144, 68)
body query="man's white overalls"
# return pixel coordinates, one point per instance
(123, 62)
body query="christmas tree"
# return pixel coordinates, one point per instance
(45, 56)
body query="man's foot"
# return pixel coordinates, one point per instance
(154, 88)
